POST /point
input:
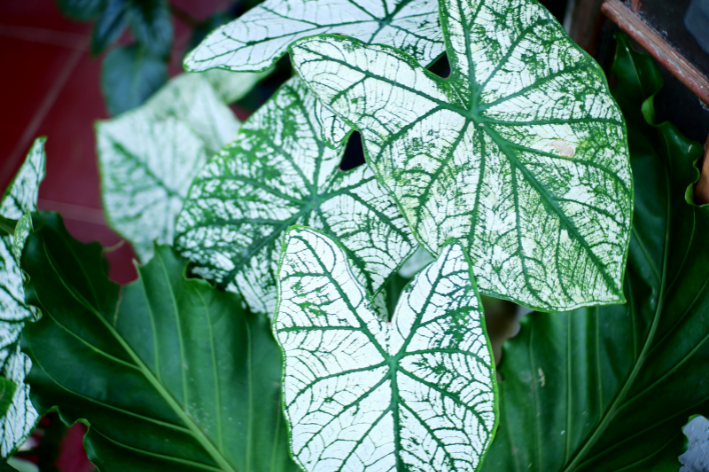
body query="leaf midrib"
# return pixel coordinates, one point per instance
(162, 391)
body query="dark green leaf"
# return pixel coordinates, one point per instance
(5, 467)
(130, 74)
(610, 388)
(151, 25)
(80, 9)
(177, 376)
(7, 391)
(109, 25)
(7, 226)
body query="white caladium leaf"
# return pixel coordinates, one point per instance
(420, 259)
(362, 394)
(19, 199)
(230, 86)
(276, 174)
(260, 37)
(521, 154)
(149, 156)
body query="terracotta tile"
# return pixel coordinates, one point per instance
(39, 72)
(72, 170)
(40, 14)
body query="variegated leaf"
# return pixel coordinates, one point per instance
(229, 86)
(150, 155)
(420, 259)
(521, 153)
(363, 394)
(276, 174)
(258, 38)
(19, 199)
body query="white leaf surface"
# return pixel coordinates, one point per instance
(19, 199)
(521, 154)
(149, 156)
(278, 173)
(260, 37)
(363, 394)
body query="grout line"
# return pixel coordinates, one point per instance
(49, 99)
(74, 212)
(41, 35)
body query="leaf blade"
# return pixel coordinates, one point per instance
(638, 355)
(278, 173)
(247, 44)
(367, 394)
(149, 156)
(548, 172)
(20, 197)
(171, 415)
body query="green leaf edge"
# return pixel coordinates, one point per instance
(415, 64)
(370, 300)
(39, 222)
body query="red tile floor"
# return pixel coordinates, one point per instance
(49, 86)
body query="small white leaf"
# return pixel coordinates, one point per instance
(278, 173)
(362, 394)
(19, 199)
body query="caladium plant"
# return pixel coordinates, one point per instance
(416, 393)
(511, 176)
(149, 155)
(276, 174)
(19, 416)
(646, 360)
(521, 153)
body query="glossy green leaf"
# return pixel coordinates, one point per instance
(256, 40)
(80, 9)
(109, 25)
(276, 174)
(8, 388)
(19, 198)
(175, 376)
(129, 75)
(151, 25)
(149, 156)
(416, 393)
(521, 153)
(611, 388)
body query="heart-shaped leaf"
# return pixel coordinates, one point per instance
(276, 174)
(149, 156)
(521, 153)
(611, 388)
(170, 373)
(364, 394)
(129, 76)
(257, 39)
(20, 198)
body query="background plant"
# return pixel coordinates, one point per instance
(232, 201)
